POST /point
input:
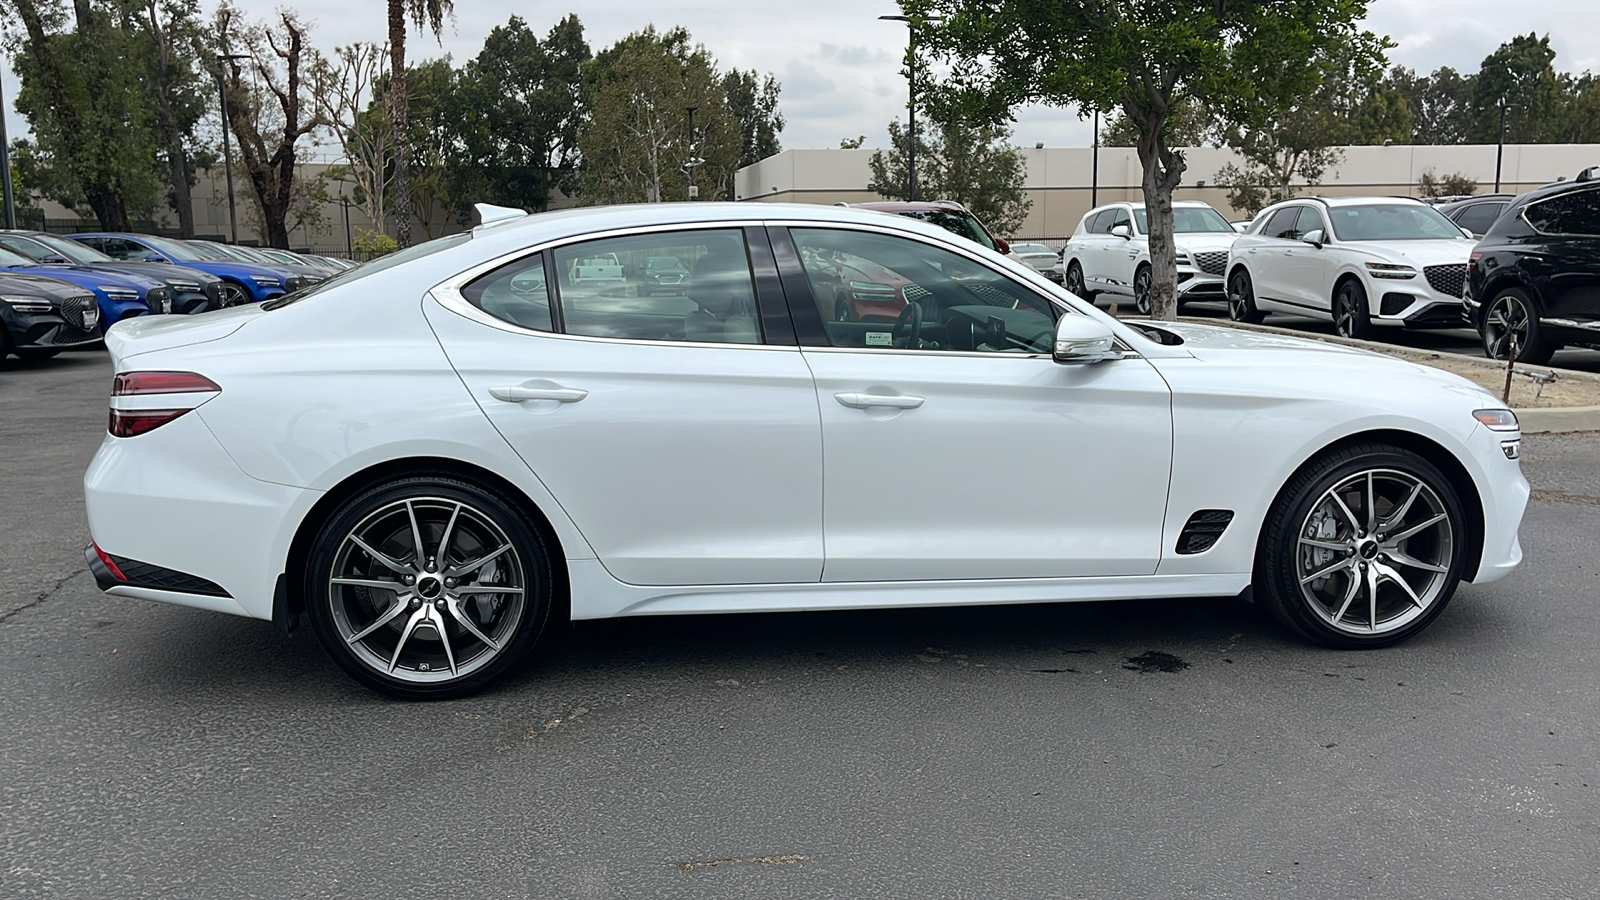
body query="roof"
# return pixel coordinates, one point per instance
(897, 206)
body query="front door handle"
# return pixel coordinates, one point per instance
(856, 400)
(520, 393)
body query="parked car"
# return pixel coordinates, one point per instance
(663, 275)
(1042, 258)
(299, 275)
(1535, 277)
(1109, 252)
(242, 282)
(1476, 215)
(189, 290)
(119, 296)
(947, 214)
(297, 259)
(1360, 261)
(435, 457)
(40, 317)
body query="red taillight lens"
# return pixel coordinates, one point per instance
(132, 384)
(134, 422)
(1475, 256)
(109, 563)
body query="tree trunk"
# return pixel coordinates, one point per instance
(182, 201)
(398, 104)
(177, 156)
(1163, 171)
(110, 212)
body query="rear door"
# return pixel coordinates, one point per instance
(1568, 258)
(680, 432)
(1271, 258)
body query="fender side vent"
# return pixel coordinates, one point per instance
(1202, 530)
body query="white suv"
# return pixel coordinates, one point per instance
(1109, 252)
(1360, 261)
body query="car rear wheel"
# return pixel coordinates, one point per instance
(1363, 548)
(1351, 318)
(1242, 298)
(1141, 290)
(1510, 318)
(428, 587)
(1074, 284)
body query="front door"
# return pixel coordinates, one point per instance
(683, 444)
(955, 448)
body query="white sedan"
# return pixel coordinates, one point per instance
(1359, 261)
(432, 457)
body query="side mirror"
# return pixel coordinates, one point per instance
(56, 260)
(1081, 339)
(1241, 227)
(1315, 237)
(1002, 246)
(155, 257)
(1122, 231)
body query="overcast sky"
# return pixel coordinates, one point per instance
(839, 66)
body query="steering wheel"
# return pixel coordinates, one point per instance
(909, 319)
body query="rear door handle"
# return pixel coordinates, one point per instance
(856, 400)
(520, 393)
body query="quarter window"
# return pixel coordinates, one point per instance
(1102, 222)
(1574, 213)
(876, 291)
(1284, 224)
(515, 293)
(662, 286)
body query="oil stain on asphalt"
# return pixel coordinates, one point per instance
(1155, 661)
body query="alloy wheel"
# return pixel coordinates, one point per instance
(1141, 291)
(427, 589)
(232, 295)
(1074, 283)
(1374, 552)
(1507, 320)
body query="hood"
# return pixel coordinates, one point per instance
(38, 285)
(145, 334)
(166, 273)
(1418, 253)
(231, 269)
(90, 275)
(1202, 241)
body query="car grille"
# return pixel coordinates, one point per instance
(1211, 262)
(1447, 280)
(73, 308)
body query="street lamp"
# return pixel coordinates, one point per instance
(5, 168)
(227, 152)
(694, 146)
(1094, 177)
(1500, 146)
(911, 106)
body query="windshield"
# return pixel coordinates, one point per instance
(13, 258)
(955, 221)
(1190, 220)
(415, 251)
(177, 251)
(78, 253)
(1391, 222)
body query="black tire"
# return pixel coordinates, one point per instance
(1513, 311)
(35, 354)
(1074, 283)
(341, 614)
(232, 294)
(5, 344)
(1242, 298)
(1302, 515)
(1351, 318)
(1141, 289)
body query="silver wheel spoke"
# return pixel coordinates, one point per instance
(1344, 508)
(1326, 570)
(1421, 526)
(469, 589)
(1349, 596)
(1399, 515)
(444, 542)
(418, 553)
(474, 565)
(1406, 559)
(1372, 595)
(389, 615)
(1394, 578)
(379, 557)
(1327, 545)
(437, 621)
(465, 621)
(416, 619)
(1372, 505)
(373, 583)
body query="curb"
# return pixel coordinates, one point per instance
(1554, 420)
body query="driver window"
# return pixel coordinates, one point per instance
(1121, 218)
(1282, 225)
(875, 291)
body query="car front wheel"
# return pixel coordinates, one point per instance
(1242, 299)
(428, 587)
(1363, 548)
(1141, 290)
(1351, 318)
(1510, 319)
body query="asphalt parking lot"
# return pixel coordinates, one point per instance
(1149, 749)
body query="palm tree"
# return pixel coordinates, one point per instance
(428, 14)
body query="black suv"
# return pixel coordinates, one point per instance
(1534, 279)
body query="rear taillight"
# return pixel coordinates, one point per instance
(183, 392)
(1474, 256)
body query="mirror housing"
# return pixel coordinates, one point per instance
(1122, 231)
(1002, 246)
(1315, 237)
(154, 257)
(1081, 339)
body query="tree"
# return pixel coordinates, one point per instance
(1454, 184)
(424, 13)
(178, 94)
(1521, 76)
(1439, 103)
(635, 143)
(753, 103)
(270, 112)
(345, 92)
(974, 165)
(91, 122)
(1245, 61)
(1190, 124)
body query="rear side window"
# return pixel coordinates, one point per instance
(1574, 213)
(515, 293)
(1283, 224)
(1101, 223)
(1479, 217)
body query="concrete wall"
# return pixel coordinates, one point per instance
(1059, 181)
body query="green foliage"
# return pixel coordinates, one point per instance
(1246, 63)
(1454, 184)
(752, 100)
(974, 165)
(855, 143)
(374, 243)
(1189, 124)
(1521, 75)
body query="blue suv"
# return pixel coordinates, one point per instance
(119, 296)
(242, 282)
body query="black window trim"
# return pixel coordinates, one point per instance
(1523, 212)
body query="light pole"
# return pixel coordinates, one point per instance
(227, 151)
(1500, 146)
(5, 168)
(694, 145)
(1094, 177)
(911, 105)
(349, 245)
